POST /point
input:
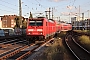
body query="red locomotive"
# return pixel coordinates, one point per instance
(40, 28)
(65, 27)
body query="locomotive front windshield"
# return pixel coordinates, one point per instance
(36, 23)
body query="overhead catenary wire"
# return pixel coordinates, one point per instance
(8, 3)
(7, 11)
(8, 7)
(35, 8)
(40, 4)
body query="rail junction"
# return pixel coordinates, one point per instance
(16, 50)
(77, 50)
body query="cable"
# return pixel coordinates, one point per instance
(3, 5)
(8, 3)
(7, 7)
(73, 3)
(7, 11)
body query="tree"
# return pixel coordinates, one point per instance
(17, 22)
(24, 24)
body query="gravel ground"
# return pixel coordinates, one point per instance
(46, 53)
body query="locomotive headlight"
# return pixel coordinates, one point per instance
(41, 33)
(39, 30)
(29, 33)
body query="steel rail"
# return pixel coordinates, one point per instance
(34, 49)
(12, 53)
(78, 56)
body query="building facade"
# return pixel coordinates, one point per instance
(8, 21)
(82, 24)
(0, 22)
(73, 21)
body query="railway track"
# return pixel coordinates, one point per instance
(12, 52)
(12, 41)
(78, 51)
(21, 52)
(11, 46)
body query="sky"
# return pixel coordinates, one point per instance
(65, 9)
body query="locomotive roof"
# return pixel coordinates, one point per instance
(51, 20)
(38, 19)
(42, 18)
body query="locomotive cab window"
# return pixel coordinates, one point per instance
(36, 23)
(39, 23)
(32, 23)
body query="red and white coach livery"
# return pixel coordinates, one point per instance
(65, 27)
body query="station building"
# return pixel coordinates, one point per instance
(82, 23)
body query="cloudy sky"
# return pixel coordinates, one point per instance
(61, 8)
